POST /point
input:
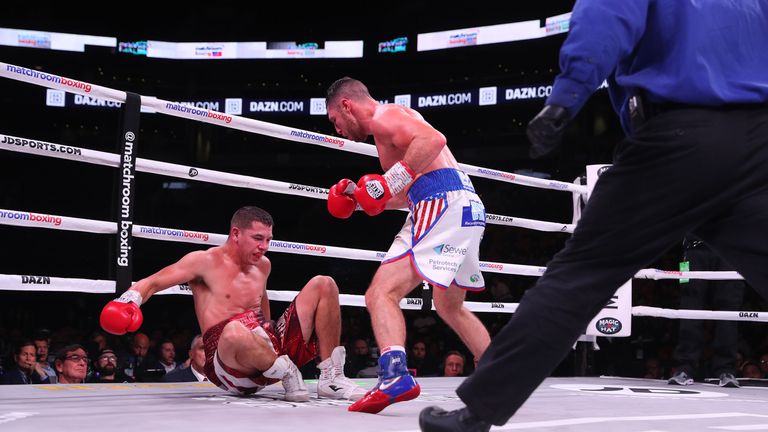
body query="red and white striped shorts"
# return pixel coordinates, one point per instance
(285, 336)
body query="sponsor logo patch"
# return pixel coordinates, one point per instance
(608, 325)
(374, 189)
(473, 214)
(448, 250)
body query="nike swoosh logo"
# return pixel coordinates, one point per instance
(386, 385)
(334, 388)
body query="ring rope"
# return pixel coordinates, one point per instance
(100, 286)
(44, 283)
(699, 314)
(35, 220)
(175, 109)
(30, 219)
(60, 151)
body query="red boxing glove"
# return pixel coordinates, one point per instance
(341, 203)
(122, 314)
(373, 190)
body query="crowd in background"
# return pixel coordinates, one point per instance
(65, 344)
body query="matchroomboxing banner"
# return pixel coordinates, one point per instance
(125, 182)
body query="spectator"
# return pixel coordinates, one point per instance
(372, 370)
(45, 334)
(41, 352)
(653, 369)
(71, 364)
(500, 290)
(751, 369)
(26, 369)
(167, 356)
(359, 358)
(420, 361)
(453, 364)
(135, 363)
(194, 372)
(764, 365)
(98, 341)
(182, 338)
(106, 370)
(740, 359)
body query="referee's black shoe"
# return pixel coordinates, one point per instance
(434, 419)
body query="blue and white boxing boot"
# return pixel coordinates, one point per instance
(395, 384)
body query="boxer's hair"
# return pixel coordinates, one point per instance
(346, 87)
(245, 216)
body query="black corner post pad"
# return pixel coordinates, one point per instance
(426, 298)
(127, 144)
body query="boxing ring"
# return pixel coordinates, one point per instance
(559, 404)
(581, 403)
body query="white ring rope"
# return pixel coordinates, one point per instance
(657, 274)
(44, 283)
(60, 151)
(175, 109)
(37, 220)
(56, 284)
(699, 314)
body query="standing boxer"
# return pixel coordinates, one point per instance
(244, 350)
(440, 238)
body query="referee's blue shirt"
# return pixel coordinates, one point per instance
(700, 52)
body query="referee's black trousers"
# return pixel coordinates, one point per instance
(688, 170)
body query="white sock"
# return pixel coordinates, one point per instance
(393, 348)
(278, 368)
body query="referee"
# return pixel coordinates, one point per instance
(689, 81)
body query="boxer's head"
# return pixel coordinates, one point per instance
(250, 232)
(245, 216)
(342, 102)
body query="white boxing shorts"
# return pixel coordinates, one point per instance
(443, 231)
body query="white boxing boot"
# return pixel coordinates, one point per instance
(332, 383)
